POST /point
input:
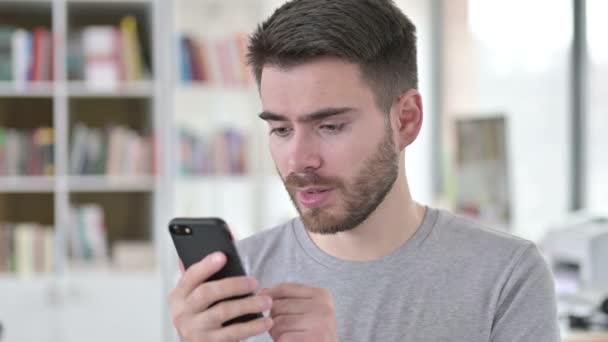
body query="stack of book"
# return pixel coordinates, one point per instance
(26, 152)
(222, 153)
(215, 61)
(115, 150)
(87, 235)
(26, 56)
(106, 56)
(26, 248)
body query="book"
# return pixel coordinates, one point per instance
(185, 55)
(12, 153)
(75, 56)
(26, 152)
(26, 248)
(6, 56)
(45, 142)
(26, 56)
(22, 57)
(219, 60)
(223, 152)
(106, 56)
(114, 150)
(3, 156)
(131, 48)
(87, 235)
(95, 153)
(40, 63)
(4, 254)
(101, 67)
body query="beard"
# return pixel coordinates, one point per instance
(358, 199)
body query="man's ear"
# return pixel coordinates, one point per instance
(407, 117)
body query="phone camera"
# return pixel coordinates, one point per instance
(181, 230)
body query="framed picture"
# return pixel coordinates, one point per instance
(481, 170)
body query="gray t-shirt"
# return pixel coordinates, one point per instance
(452, 281)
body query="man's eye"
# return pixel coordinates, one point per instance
(280, 131)
(332, 128)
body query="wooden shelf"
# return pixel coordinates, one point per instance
(24, 184)
(111, 183)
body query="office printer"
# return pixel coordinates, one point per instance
(577, 252)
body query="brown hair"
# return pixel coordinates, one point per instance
(374, 34)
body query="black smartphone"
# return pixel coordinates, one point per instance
(195, 238)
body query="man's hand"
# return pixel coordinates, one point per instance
(197, 319)
(302, 313)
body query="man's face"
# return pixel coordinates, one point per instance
(331, 144)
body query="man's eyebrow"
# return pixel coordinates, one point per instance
(315, 116)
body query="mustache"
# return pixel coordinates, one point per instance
(304, 179)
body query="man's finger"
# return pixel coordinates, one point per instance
(200, 272)
(291, 306)
(211, 292)
(284, 326)
(241, 331)
(291, 290)
(181, 266)
(231, 309)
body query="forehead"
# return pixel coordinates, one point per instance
(304, 88)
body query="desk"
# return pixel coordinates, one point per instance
(585, 337)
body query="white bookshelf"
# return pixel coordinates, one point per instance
(64, 94)
(136, 205)
(257, 199)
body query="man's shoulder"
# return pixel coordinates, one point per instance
(266, 235)
(266, 242)
(493, 259)
(471, 237)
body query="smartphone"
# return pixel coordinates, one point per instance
(195, 238)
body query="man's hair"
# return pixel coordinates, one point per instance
(374, 34)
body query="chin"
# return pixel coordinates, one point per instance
(322, 222)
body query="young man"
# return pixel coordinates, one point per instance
(364, 261)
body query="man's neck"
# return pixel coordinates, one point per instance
(390, 226)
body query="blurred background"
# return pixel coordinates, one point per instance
(117, 115)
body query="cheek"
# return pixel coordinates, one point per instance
(345, 158)
(279, 157)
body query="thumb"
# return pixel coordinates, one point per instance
(181, 266)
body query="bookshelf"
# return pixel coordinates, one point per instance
(251, 200)
(114, 198)
(62, 101)
(214, 92)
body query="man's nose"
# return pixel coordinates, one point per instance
(304, 154)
